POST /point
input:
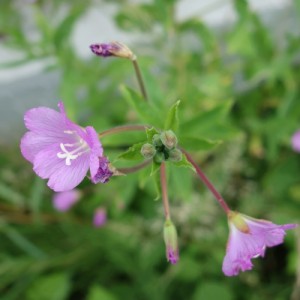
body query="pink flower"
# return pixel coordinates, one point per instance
(248, 239)
(99, 217)
(63, 201)
(60, 150)
(296, 141)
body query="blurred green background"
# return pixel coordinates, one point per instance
(238, 83)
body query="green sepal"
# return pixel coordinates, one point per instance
(184, 163)
(197, 144)
(172, 121)
(133, 153)
(155, 168)
(150, 132)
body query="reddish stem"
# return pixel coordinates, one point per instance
(164, 190)
(207, 182)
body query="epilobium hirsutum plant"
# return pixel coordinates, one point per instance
(62, 152)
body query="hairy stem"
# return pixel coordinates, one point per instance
(207, 182)
(122, 129)
(164, 190)
(139, 78)
(135, 168)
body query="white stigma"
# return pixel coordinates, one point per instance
(75, 153)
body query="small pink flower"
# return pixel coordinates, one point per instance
(296, 141)
(63, 201)
(62, 151)
(99, 217)
(248, 239)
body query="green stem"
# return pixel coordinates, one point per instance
(207, 182)
(139, 78)
(164, 190)
(135, 168)
(122, 129)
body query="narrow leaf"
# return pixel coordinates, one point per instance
(133, 153)
(195, 143)
(172, 117)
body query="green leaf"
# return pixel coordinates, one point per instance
(133, 153)
(144, 110)
(100, 293)
(195, 143)
(51, 287)
(172, 117)
(157, 185)
(150, 132)
(184, 163)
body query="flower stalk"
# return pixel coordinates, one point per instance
(207, 182)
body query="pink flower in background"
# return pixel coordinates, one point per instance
(60, 150)
(63, 201)
(99, 217)
(248, 239)
(296, 141)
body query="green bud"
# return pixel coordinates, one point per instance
(170, 237)
(175, 155)
(159, 157)
(169, 139)
(156, 140)
(148, 150)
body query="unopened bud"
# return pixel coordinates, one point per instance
(170, 237)
(159, 157)
(157, 141)
(112, 49)
(169, 139)
(175, 155)
(148, 150)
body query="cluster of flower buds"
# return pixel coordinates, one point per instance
(162, 148)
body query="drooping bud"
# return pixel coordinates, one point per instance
(170, 238)
(175, 155)
(169, 139)
(116, 49)
(148, 150)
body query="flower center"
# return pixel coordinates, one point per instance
(76, 149)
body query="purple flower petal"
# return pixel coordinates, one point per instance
(60, 150)
(103, 172)
(243, 245)
(65, 200)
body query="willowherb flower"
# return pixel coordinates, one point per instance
(99, 217)
(248, 239)
(63, 201)
(296, 141)
(60, 150)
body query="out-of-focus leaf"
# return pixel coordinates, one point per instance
(100, 293)
(50, 287)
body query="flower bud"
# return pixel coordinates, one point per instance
(113, 49)
(157, 141)
(148, 150)
(175, 155)
(169, 139)
(159, 157)
(170, 237)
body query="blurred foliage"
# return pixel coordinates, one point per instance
(239, 93)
